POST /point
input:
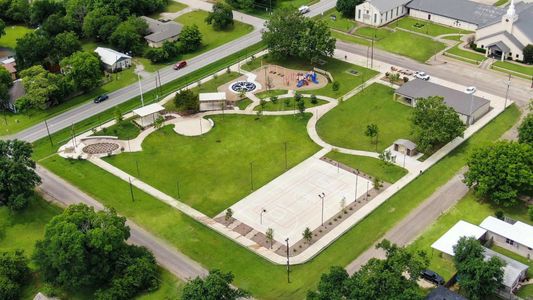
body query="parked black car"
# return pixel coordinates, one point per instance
(101, 98)
(432, 277)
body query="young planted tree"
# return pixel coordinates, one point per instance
(159, 122)
(313, 99)
(501, 172)
(372, 131)
(228, 215)
(478, 278)
(17, 174)
(301, 107)
(217, 285)
(434, 123)
(307, 235)
(378, 183)
(118, 115)
(270, 236)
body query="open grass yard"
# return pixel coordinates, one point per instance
(210, 37)
(469, 56)
(214, 170)
(125, 130)
(345, 125)
(471, 210)
(12, 33)
(13, 123)
(373, 32)
(263, 279)
(289, 104)
(171, 7)
(520, 68)
(263, 11)
(336, 20)
(348, 75)
(371, 166)
(425, 27)
(349, 38)
(243, 104)
(270, 93)
(452, 37)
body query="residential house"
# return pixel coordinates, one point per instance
(160, 32)
(11, 66)
(516, 237)
(113, 60)
(380, 12)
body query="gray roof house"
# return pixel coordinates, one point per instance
(469, 108)
(380, 12)
(160, 32)
(507, 36)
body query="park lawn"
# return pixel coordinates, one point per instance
(12, 33)
(373, 32)
(263, 279)
(369, 165)
(523, 69)
(171, 7)
(210, 37)
(471, 57)
(411, 45)
(170, 288)
(349, 38)
(345, 125)
(270, 93)
(289, 104)
(23, 120)
(425, 27)
(214, 170)
(453, 37)
(340, 23)
(263, 11)
(468, 209)
(500, 2)
(243, 104)
(125, 130)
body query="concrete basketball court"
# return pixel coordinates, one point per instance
(292, 202)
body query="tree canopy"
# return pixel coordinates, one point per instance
(5, 84)
(221, 17)
(525, 131)
(83, 248)
(434, 123)
(528, 54)
(14, 273)
(2, 28)
(217, 285)
(17, 174)
(478, 278)
(347, 7)
(190, 38)
(129, 35)
(83, 71)
(392, 278)
(290, 34)
(187, 101)
(43, 88)
(501, 172)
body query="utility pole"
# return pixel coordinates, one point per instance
(48, 132)
(131, 190)
(288, 264)
(141, 89)
(178, 186)
(507, 92)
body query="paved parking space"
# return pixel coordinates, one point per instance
(292, 203)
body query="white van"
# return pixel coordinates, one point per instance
(303, 9)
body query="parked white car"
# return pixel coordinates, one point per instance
(471, 90)
(422, 75)
(304, 9)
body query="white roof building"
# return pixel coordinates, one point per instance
(212, 101)
(446, 242)
(113, 59)
(148, 114)
(519, 232)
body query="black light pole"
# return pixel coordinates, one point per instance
(356, 172)
(366, 197)
(48, 131)
(178, 186)
(322, 196)
(252, 175)
(288, 264)
(261, 215)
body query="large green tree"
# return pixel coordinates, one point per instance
(40, 10)
(525, 131)
(83, 248)
(2, 28)
(14, 273)
(99, 25)
(129, 35)
(82, 69)
(392, 278)
(64, 45)
(434, 123)
(347, 7)
(217, 285)
(221, 17)
(32, 49)
(17, 174)
(190, 39)
(43, 89)
(5, 84)
(290, 34)
(478, 278)
(501, 172)
(187, 101)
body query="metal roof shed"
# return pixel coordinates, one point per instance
(212, 101)
(148, 114)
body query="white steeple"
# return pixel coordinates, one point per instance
(511, 11)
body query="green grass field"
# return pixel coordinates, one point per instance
(124, 130)
(407, 44)
(242, 104)
(171, 7)
(214, 170)
(453, 37)
(425, 27)
(263, 279)
(289, 104)
(13, 32)
(340, 22)
(371, 166)
(372, 32)
(263, 10)
(345, 125)
(470, 57)
(468, 209)
(23, 120)
(523, 69)
(339, 69)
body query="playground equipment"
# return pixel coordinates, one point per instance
(302, 79)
